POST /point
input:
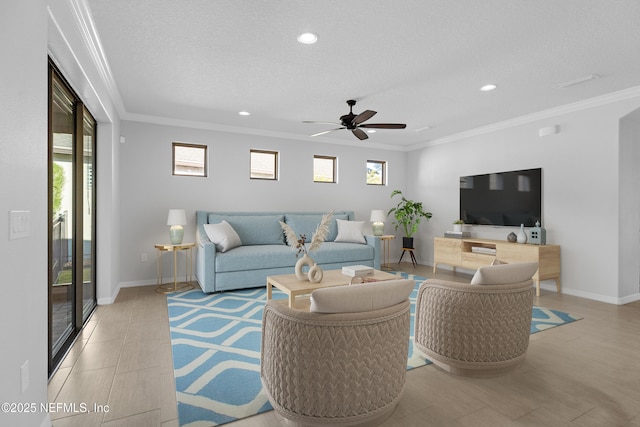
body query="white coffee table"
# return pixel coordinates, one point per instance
(290, 285)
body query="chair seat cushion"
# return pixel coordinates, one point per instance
(503, 274)
(361, 297)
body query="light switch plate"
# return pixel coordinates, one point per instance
(19, 224)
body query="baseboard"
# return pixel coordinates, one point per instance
(590, 295)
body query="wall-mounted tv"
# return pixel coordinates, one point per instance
(504, 198)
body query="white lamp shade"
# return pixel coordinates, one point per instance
(378, 216)
(177, 217)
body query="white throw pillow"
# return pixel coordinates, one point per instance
(223, 236)
(350, 231)
(361, 297)
(504, 274)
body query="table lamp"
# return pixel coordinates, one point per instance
(377, 218)
(177, 218)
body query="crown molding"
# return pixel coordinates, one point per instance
(84, 20)
(168, 121)
(586, 104)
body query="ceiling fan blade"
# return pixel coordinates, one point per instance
(384, 125)
(326, 131)
(360, 134)
(364, 116)
(322, 123)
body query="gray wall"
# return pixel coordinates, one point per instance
(581, 189)
(629, 228)
(148, 189)
(23, 173)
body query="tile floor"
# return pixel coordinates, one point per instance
(583, 374)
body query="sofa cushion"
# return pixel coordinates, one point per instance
(503, 274)
(361, 297)
(275, 256)
(307, 225)
(255, 257)
(223, 236)
(254, 229)
(350, 231)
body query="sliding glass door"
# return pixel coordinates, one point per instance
(72, 292)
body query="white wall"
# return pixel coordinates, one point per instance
(629, 228)
(23, 173)
(28, 32)
(148, 189)
(77, 59)
(580, 188)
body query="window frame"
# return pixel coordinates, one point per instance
(383, 164)
(276, 170)
(334, 159)
(203, 147)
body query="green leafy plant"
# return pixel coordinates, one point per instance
(458, 221)
(407, 214)
(58, 186)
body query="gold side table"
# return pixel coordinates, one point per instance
(386, 240)
(176, 286)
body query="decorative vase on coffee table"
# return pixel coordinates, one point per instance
(305, 260)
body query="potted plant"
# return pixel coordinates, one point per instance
(457, 225)
(407, 214)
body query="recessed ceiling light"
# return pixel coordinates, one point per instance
(487, 88)
(424, 128)
(244, 113)
(307, 38)
(371, 131)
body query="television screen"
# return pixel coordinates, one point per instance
(504, 198)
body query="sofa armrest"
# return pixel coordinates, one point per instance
(375, 242)
(205, 261)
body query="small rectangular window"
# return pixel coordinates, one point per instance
(264, 165)
(189, 159)
(324, 169)
(376, 172)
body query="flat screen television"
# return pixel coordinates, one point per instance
(503, 198)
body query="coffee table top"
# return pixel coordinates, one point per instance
(290, 284)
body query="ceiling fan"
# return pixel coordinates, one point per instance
(354, 123)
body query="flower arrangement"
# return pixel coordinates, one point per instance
(297, 243)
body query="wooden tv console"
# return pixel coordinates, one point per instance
(459, 253)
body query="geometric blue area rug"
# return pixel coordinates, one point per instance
(215, 339)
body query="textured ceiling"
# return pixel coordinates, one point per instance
(416, 62)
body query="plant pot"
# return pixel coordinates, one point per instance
(407, 242)
(457, 227)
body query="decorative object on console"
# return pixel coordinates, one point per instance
(408, 215)
(457, 225)
(176, 219)
(512, 238)
(538, 235)
(522, 235)
(315, 272)
(457, 234)
(378, 218)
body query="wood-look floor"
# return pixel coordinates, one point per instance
(583, 374)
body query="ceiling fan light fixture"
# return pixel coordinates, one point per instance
(307, 38)
(488, 88)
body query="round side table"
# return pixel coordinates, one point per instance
(176, 286)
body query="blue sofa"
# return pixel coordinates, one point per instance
(264, 251)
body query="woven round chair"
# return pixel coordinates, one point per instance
(477, 329)
(335, 369)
